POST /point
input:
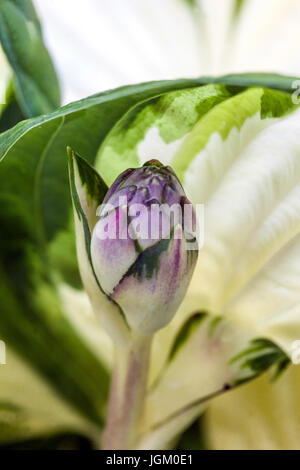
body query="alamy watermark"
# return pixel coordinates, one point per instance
(2, 352)
(295, 350)
(296, 93)
(154, 222)
(3, 85)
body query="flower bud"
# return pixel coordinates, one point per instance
(143, 249)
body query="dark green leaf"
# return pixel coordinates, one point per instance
(10, 114)
(62, 257)
(259, 356)
(35, 80)
(33, 324)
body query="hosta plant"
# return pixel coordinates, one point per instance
(230, 144)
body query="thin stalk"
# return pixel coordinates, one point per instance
(115, 398)
(127, 395)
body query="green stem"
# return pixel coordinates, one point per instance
(127, 394)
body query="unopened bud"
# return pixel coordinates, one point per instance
(142, 246)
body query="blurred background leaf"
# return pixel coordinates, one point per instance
(10, 111)
(35, 81)
(129, 41)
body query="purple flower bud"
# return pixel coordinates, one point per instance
(143, 249)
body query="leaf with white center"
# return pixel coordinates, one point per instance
(269, 304)
(88, 191)
(248, 266)
(227, 122)
(156, 129)
(208, 357)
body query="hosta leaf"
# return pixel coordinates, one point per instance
(62, 256)
(207, 359)
(36, 328)
(41, 144)
(257, 416)
(259, 356)
(155, 129)
(274, 81)
(254, 106)
(28, 10)
(160, 128)
(35, 80)
(30, 407)
(78, 309)
(252, 241)
(185, 332)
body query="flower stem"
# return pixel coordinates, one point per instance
(127, 394)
